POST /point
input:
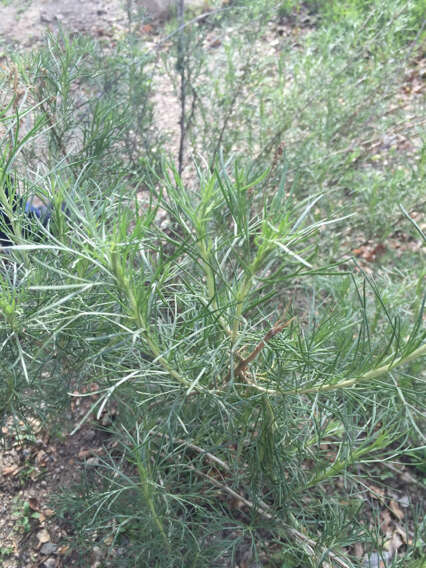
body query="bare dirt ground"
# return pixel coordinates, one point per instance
(25, 23)
(34, 465)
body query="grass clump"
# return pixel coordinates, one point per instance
(259, 373)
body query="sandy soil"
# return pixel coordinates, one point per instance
(24, 23)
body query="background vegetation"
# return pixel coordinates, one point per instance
(250, 304)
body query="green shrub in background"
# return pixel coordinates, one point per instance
(345, 11)
(94, 103)
(331, 95)
(258, 375)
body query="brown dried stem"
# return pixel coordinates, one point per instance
(276, 328)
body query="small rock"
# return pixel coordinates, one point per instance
(89, 435)
(97, 552)
(92, 462)
(48, 548)
(404, 501)
(43, 536)
(49, 563)
(375, 560)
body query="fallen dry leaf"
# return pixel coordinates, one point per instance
(402, 533)
(369, 251)
(396, 510)
(84, 453)
(41, 457)
(359, 550)
(34, 504)
(63, 550)
(376, 492)
(386, 522)
(43, 536)
(147, 29)
(394, 544)
(11, 470)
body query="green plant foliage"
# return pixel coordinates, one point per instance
(258, 369)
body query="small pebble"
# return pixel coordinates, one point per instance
(48, 548)
(404, 501)
(92, 462)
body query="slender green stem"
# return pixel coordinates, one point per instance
(144, 478)
(348, 383)
(137, 315)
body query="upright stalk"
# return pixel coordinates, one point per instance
(182, 75)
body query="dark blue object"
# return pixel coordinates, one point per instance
(42, 213)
